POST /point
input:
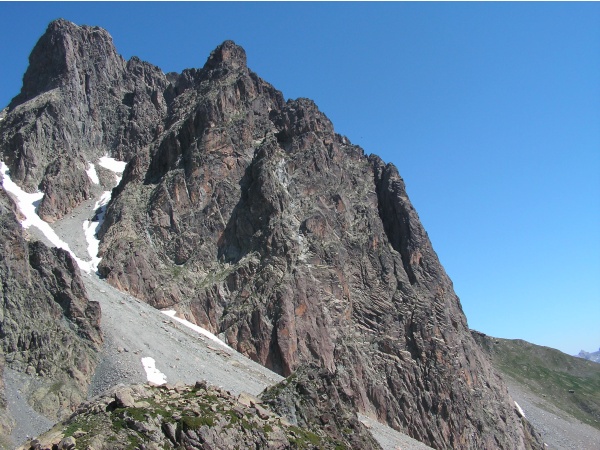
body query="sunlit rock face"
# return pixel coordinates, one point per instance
(250, 216)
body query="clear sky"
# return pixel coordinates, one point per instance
(490, 111)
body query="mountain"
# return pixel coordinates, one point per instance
(560, 393)
(590, 356)
(570, 383)
(249, 216)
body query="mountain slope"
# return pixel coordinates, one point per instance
(250, 216)
(569, 383)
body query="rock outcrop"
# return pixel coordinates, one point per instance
(48, 327)
(179, 416)
(250, 216)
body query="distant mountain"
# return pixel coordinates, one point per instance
(593, 356)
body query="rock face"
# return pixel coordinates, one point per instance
(250, 216)
(80, 100)
(191, 417)
(48, 326)
(311, 399)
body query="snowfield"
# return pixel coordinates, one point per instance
(90, 227)
(114, 166)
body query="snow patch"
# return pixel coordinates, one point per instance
(519, 410)
(171, 313)
(91, 227)
(152, 373)
(91, 172)
(27, 204)
(113, 165)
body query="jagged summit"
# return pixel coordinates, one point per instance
(60, 57)
(228, 54)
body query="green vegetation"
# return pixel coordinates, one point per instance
(194, 423)
(569, 383)
(56, 387)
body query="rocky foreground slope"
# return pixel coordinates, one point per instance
(250, 216)
(191, 417)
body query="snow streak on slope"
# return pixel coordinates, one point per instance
(91, 227)
(519, 410)
(27, 204)
(91, 172)
(171, 313)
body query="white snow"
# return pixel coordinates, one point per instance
(91, 227)
(519, 410)
(171, 313)
(152, 373)
(91, 171)
(113, 165)
(27, 204)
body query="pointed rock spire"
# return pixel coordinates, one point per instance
(68, 52)
(228, 54)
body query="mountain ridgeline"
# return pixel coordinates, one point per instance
(251, 217)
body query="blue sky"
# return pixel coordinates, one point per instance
(490, 111)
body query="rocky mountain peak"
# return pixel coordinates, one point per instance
(250, 217)
(68, 53)
(228, 54)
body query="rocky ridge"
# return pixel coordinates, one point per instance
(183, 416)
(251, 217)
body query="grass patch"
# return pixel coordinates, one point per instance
(195, 423)
(569, 383)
